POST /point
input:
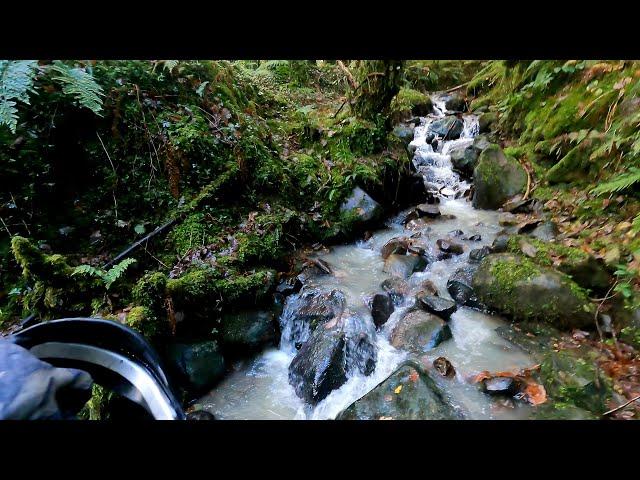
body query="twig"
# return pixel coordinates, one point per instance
(595, 317)
(459, 86)
(621, 406)
(5, 227)
(113, 191)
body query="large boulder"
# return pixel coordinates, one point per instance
(464, 160)
(304, 312)
(248, 330)
(419, 331)
(407, 394)
(497, 178)
(449, 128)
(456, 103)
(319, 366)
(516, 286)
(486, 121)
(583, 268)
(197, 365)
(361, 205)
(334, 350)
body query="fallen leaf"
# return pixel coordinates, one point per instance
(398, 390)
(535, 394)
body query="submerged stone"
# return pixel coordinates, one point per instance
(402, 265)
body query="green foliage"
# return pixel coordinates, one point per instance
(109, 277)
(16, 81)
(79, 84)
(619, 183)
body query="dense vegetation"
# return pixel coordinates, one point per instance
(245, 162)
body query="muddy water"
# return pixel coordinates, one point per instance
(259, 389)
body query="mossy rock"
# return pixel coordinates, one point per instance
(247, 331)
(497, 178)
(584, 269)
(407, 394)
(515, 286)
(198, 365)
(410, 102)
(572, 377)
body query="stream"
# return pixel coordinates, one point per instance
(260, 389)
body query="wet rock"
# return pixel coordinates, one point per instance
(407, 394)
(449, 247)
(200, 415)
(518, 206)
(397, 288)
(428, 210)
(456, 233)
(475, 238)
(477, 254)
(362, 205)
(500, 386)
(456, 103)
(464, 161)
(404, 133)
(545, 231)
(289, 286)
(312, 307)
(381, 308)
(308, 272)
(419, 331)
(427, 287)
(515, 286)
(412, 190)
(486, 121)
(415, 121)
(434, 145)
(429, 138)
(437, 305)
(397, 245)
(497, 178)
(319, 366)
(360, 348)
(460, 287)
(500, 243)
(197, 365)
(449, 128)
(444, 367)
(403, 265)
(248, 330)
(481, 143)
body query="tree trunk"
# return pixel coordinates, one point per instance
(378, 82)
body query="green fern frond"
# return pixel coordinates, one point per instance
(108, 277)
(635, 225)
(16, 81)
(620, 183)
(170, 65)
(80, 84)
(87, 270)
(116, 271)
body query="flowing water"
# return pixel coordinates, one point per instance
(259, 389)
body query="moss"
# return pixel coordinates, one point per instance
(36, 264)
(546, 252)
(97, 406)
(573, 377)
(630, 335)
(145, 321)
(408, 102)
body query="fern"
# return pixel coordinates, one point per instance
(16, 81)
(620, 183)
(80, 84)
(108, 277)
(116, 271)
(635, 225)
